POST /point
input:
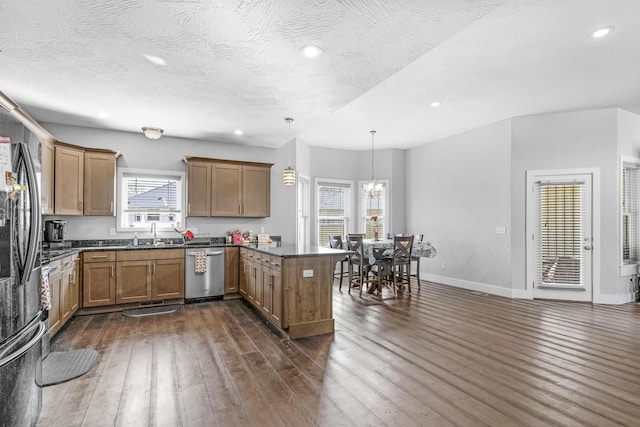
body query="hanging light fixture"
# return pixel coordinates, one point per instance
(289, 174)
(373, 188)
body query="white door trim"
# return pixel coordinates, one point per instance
(531, 176)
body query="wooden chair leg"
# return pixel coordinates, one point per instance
(350, 276)
(418, 270)
(409, 276)
(341, 274)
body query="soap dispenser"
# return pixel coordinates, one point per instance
(135, 239)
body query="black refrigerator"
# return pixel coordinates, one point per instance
(21, 317)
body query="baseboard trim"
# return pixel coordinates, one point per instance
(466, 284)
(518, 293)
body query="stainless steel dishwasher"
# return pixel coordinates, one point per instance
(210, 283)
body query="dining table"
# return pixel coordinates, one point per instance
(374, 249)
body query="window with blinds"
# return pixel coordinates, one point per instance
(333, 210)
(629, 212)
(560, 230)
(147, 198)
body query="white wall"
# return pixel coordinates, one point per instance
(166, 154)
(458, 192)
(584, 139)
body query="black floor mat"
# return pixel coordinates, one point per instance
(146, 311)
(63, 366)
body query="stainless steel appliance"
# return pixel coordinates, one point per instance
(21, 318)
(54, 230)
(208, 284)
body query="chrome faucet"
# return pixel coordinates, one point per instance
(153, 231)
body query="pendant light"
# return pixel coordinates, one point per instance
(289, 174)
(373, 188)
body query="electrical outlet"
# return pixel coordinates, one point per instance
(307, 273)
(444, 266)
(261, 230)
(501, 230)
(112, 231)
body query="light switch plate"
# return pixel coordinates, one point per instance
(112, 231)
(501, 230)
(307, 273)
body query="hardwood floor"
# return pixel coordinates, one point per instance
(440, 357)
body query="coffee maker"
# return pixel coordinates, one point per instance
(54, 230)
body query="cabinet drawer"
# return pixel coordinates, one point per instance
(149, 254)
(69, 261)
(98, 256)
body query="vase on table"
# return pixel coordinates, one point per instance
(375, 234)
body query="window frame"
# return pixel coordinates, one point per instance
(161, 174)
(349, 218)
(627, 268)
(362, 208)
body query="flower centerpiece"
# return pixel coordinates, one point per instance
(374, 225)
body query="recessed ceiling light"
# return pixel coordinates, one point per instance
(435, 104)
(155, 59)
(102, 115)
(601, 32)
(238, 132)
(311, 51)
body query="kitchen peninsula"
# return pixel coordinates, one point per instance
(289, 286)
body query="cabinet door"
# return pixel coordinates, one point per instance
(256, 191)
(231, 271)
(99, 183)
(267, 297)
(276, 297)
(133, 281)
(55, 317)
(167, 279)
(198, 188)
(48, 154)
(69, 181)
(98, 284)
(69, 292)
(244, 277)
(226, 190)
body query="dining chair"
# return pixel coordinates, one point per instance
(357, 261)
(335, 242)
(398, 263)
(416, 258)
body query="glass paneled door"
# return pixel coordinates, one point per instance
(560, 212)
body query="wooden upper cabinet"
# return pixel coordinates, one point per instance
(226, 199)
(199, 188)
(69, 180)
(47, 180)
(99, 183)
(256, 191)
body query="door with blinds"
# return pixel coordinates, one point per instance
(560, 229)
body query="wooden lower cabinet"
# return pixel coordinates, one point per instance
(149, 275)
(64, 288)
(261, 283)
(231, 270)
(98, 279)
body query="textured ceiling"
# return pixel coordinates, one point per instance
(236, 65)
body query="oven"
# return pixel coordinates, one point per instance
(204, 274)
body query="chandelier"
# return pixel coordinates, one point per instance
(373, 189)
(289, 174)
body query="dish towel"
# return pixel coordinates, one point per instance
(45, 292)
(201, 262)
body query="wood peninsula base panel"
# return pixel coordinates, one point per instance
(308, 299)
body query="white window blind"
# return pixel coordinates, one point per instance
(333, 210)
(560, 230)
(629, 211)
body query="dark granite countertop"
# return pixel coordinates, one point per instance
(285, 250)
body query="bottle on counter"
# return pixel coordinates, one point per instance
(135, 239)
